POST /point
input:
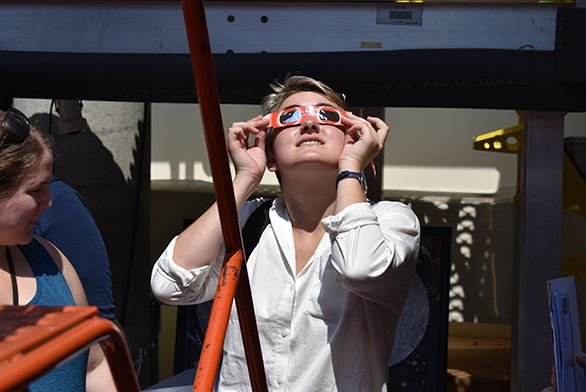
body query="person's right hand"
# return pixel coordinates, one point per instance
(249, 160)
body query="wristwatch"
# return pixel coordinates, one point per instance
(350, 174)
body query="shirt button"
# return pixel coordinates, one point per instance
(280, 380)
(284, 332)
(290, 287)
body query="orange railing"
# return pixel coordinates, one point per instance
(34, 339)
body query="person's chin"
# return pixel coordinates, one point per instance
(26, 238)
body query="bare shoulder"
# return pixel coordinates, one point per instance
(57, 255)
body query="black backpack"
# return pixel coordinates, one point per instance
(255, 225)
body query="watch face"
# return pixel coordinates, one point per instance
(363, 182)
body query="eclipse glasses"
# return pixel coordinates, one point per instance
(296, 115)
(14, 127)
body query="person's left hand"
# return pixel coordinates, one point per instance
(365, 139)
(580, 360)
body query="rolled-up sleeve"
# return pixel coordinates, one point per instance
(374, 248)
(175, 285)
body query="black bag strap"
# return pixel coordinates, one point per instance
(254, 226)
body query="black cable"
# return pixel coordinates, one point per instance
(12, 276)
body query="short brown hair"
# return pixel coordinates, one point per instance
(18, 159)
(297, 84)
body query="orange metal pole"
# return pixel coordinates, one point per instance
(118, 357)
(216, 331)
(28, 366)
(233, 275)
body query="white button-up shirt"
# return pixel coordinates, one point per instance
(329, 327)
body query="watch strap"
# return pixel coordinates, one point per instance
(350, 174)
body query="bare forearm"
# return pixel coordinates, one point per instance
(200, 243)
(349, 190)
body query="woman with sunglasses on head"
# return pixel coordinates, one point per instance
(32, 270)
(331, 270)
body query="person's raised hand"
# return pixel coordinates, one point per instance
(580, 360)
(365, 139)
(246, 145)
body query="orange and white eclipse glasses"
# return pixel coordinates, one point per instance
(296, 115)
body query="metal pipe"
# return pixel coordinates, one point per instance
(26, 366)
(233, 268)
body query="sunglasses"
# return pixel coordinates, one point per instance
(14, 127)
(296, 115)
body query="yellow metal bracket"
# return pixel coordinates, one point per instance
(510, 140)
(502, 140)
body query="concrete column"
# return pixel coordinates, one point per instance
(109, 164)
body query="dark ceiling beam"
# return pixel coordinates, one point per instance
(447, 78)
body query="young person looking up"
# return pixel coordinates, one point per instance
(32, 270)
(331, 271)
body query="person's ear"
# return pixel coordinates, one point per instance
(272, 165)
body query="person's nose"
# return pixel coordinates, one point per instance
(45, 201)
(310, 124)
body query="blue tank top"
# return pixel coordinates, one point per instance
(52, 290)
